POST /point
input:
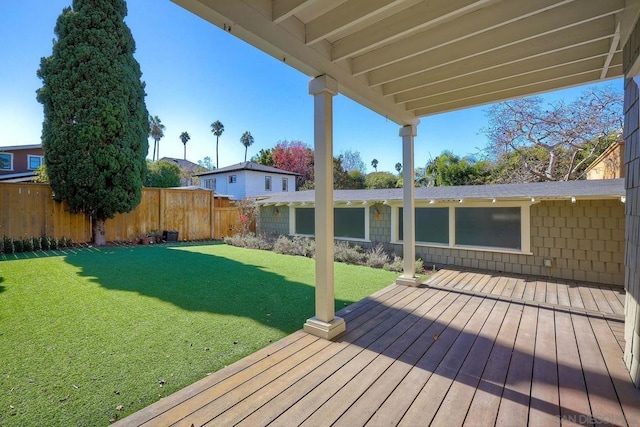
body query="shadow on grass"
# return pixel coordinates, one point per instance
(201, 282)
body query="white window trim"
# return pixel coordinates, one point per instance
(10, 162)
(285, 184)
(233, 179)
(29, 157)
(525, 225)
(367, 235)
(267, 178)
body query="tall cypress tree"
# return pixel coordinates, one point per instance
(95, 125)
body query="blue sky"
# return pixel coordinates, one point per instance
(196, 73)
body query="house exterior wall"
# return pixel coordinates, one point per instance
(631, 52)
(248, 183)
(610, 165)
(584, 241)
(21, 160)
(274, 220)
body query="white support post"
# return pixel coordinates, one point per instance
(408, 276)
(325, 324)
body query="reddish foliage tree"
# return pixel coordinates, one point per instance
(294, 156)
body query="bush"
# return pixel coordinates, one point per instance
(44, 243)
(304, 246)
(397, 265)
(301, 246)
(250, 241)
(344, 252)
(376, 257)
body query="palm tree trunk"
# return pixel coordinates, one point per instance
(185, 151)
(153, 158)
(217, 164)
(245, 153)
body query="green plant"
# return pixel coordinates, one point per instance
(376, 257)
(344, 252)
(8, 246)
(45, 243)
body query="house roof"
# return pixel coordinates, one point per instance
(250, 166)
(185, 164)
(411, 58)
(20, 147)
(18, 177)
(585, 190)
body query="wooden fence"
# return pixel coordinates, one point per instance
(28, 209)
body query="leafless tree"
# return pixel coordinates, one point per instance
(555, 141)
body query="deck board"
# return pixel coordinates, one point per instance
(444, 353)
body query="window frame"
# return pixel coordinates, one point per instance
(366, 208)
(233, 179)
(267, 183)
(525, 225)
(285, 184)
(34, 156)
(11, 158)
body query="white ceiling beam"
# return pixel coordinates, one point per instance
(416, 18)
(344, 16)
(566, 82)
(470, 77)
(615, 41)
(467, 26)
(550, 22)
(514, 82)
(575, 36)
(283, 9)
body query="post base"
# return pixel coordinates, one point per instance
(408, 281)
(325, 330)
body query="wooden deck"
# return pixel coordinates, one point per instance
(432, 356)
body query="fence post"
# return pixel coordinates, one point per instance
(212, 214)
(161, 203)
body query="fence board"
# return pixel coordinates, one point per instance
(28, 209)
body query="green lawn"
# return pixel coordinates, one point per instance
(88, 330)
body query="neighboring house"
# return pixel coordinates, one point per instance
(190, 168)
(570, 230)
(609, 165)
(18, 163)
(248, 179)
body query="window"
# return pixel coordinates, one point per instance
(34, 162)
(484, 226)
(233, 179)
(210, 184)
(285, 184)
(493, 227)
(432, 225)
(348, 223)
(267, 183)
(6, 161)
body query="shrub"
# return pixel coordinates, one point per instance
(17, 246)
(250, 241)
(397, 266)
(301, 246)
(344, 252)
(376, 257)
(44, 243)
(8, 247)
(53, 243)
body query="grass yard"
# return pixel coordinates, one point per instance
(90, 335)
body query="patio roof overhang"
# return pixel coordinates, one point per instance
(409, 58)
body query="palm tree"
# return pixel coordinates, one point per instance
(217, 128)
(156, 131)
(374, 163)
(398, 167)
(184, 137)
(247, 141)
